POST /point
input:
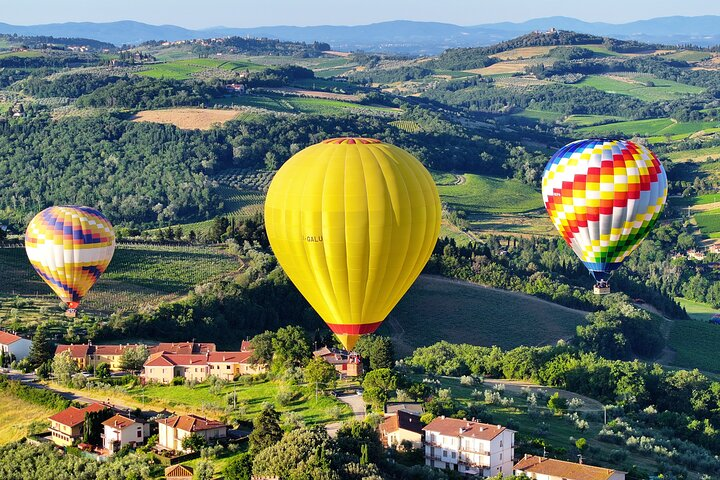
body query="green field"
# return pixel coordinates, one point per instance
(481, 194)
(437, 309)
(590, 120)
(24, 54)
(184, 69)
(637, 87)
(697, 200)
(697, 155)
(709, 223)
(539, 115)
(653, 127)
(688, 56)
(295, 104)
(407, 125)
(138, 275)
(695, 343)
(696, 310)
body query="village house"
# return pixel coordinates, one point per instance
(89, 356)
(348, 364)
(162, 367)
(172, 430)
(402, 426)
(542, 468)
(412, 407)
(120, 430)
(469, 447)
(66, 427)
(14, 346)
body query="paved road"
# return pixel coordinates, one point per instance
(356, 403)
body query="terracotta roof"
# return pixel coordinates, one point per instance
(7, 338)
(246, 346)
(454, 427)
(183, 347)
(567, 470)
(401, 421)
(230, 357)
(337, 357)
(74, 416)
(110, 349)
(178, 471)
(163, 359)
(118, 421)
(191, 423)
(76, 351)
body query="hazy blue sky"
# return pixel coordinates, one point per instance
(248, 13)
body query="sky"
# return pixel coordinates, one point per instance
(253, 13)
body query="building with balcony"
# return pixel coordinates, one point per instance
(66, 427)
(120, 430)
(469, 447)
(542, 468)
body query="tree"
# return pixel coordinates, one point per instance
(319, 372)
(133, 358)
(300, 454)
(266, 429)
(239, 468)
(41, 349)
(291, 346)
(378, 385)
(64, 367)
(581, 444)
(556, 403)
(377, 351)
(92, 425)
(194, 442)
(102, 371)
(262, 345)
(43, 371)
(204, 470)
(360, 439)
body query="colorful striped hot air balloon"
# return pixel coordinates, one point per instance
(604, 196)
(353, 222)
(70, 247)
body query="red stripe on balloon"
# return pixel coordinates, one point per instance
(354, 329)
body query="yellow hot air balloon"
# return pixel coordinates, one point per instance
(353, 221)
(70, 247)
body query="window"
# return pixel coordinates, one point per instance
(500, 443)
(453, 454)
(227, 367)
(139, 433)
(501, 456)
(444, 453)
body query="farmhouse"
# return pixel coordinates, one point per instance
(162, 367)
(13, 345)
(172, 430)
(469, 447)
(399, 427)
(542, 468)
(348, 364)
(119, 431)
(67, 426)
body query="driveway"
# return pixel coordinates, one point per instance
(357, 405)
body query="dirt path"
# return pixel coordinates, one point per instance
(459, 179)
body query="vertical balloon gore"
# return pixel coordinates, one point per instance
(352, 221)
(70, 247)
(604, 197)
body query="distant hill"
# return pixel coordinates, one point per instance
(396, 36)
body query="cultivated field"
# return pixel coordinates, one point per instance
(295, 104)
(659, 127)
(523, 52)
(697, 155)
(709, 223)
(187, 118)
(437, 308)
(695, 343)
(638, 86)
(184, 69)
(482, 194)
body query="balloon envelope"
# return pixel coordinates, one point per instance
(604, 196)
(352, 222)
(70, 247)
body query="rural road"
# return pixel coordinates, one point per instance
(356, 403)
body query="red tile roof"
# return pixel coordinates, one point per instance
(162, 359)
(118, 421)
(230, 357)
(336, 356)
(76, 351)
(567, 470)
(191, 423)
(8, 338)
(178, 471)
(401, 420)
(74, 416)
(454, 427)
(246, 346)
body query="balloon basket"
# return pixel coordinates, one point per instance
(71, 313)
(601, 288)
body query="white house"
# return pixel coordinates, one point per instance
(469, 447)
(542, 468)
(172, 430)
(120, 431)
(14, 345)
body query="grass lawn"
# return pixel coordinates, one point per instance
(483, 194)
(437, 309)
(695, 343)
(184, 69)
(709, 223)
(697, 310)
(636, 86)
(18, 416)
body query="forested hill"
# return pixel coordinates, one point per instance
(43, 41)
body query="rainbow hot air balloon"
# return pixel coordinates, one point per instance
(70, 247)
(604, 196)
(353, 222)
